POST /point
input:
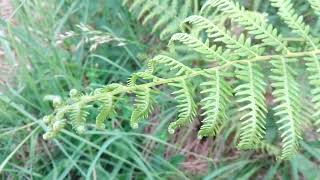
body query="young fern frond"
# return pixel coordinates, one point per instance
(165, 15)
(286, 95)
(143, 106)
(217, 93)
(56, 124)
(186, 106)
(78, 116)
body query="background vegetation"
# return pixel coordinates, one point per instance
(62, 44)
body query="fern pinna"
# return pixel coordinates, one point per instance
(236, 75)
(167, 14)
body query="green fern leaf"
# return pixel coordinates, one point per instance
(286, 93)
(172, 64)
(141, 75)
(217, 93)
(78, 116)
(293, 20)
(186, 106)
(315, 4)
(198, 46)
(251, 90)
(267, 148)
(240, 46)
(313, 66)
(254, 24)
(296, 23)
(234, 60)
(105, 110)
(165, 15)
(251, 94)
(142, 107)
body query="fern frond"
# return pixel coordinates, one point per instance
(251, 94)
(186, 106)
(142, 107)
(200, 47)
(240, 46)
(105, 110)
(286, 93)
(55, 124)
(255, 25)
(293, 20)
(242, 54)
(172, 64)
(267, 148)
(146, 75)
(251, 90)
(78, 116)
(296, 23)
(217, 93)
(165, 15)
(313, 66)
(315, 4)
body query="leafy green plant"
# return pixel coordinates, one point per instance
(234, 75)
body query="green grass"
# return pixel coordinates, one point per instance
(118, 152)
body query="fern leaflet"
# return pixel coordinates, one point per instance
(142, 107)
(315, 4)
(251, 93)
(255, 25)
(313, 66)
(293, 20)
(199, 47)
(172, 64)
(105, 110)
(186, 106)
(287, 96)
(217, 93)
(167, 13)
(78, 116)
